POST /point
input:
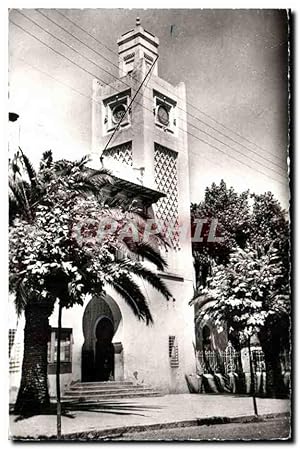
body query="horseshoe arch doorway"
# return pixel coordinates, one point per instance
(102, 355)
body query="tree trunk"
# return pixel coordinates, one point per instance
(274, 379)
(33, 396)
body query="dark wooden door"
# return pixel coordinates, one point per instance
(104, 357)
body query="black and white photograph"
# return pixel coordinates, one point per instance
(149, 224)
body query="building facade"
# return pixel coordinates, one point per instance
(138, 131)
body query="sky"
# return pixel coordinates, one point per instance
(233, 62)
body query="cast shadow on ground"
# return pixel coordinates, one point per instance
(70, 409)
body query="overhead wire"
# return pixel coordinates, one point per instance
(189, 133)
(88, 98)
(85, 31)
(64, 43)
(68, 59)
(77, 38)
(188, 103)
(131, 102)
(236, 133)
(109, 73)
(54, 50)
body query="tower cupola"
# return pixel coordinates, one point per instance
(135, 45)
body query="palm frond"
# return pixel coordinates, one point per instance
(138, 269)
(148, 249)
(152, 278)
(21, 191)
(29, 168)
(116, 201)
(82, 162)
(133, 296)
(15, 168)
(149, 253)
(102, 172)
(21, 297)
(47, 159)
(100, 181)
(86, 187)
(16, 194)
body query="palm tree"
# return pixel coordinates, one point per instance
(48, 262)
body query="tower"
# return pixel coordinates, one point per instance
(149, 150)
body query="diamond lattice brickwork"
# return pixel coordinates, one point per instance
(121, 153)
(165, 166)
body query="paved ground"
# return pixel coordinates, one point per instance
(271, 430)
(109, 414)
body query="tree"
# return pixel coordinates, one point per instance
(269, 226)
(270, 231)
(252, 297)
(231, 212)
(55, 254)
(249, 273)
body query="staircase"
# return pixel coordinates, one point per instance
(98, 391)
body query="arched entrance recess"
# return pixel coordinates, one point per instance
(104, 350)
(102, 356)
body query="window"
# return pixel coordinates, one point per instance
(115, 111)
(65, 350)
(149, 59)
(164, 110)
(128, 63)
(173, 352)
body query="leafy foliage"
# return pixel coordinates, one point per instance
(56, 247)
(251, 292)
(67, 242)
(231, 210)
(249, 271)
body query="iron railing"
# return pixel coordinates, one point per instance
(228, 361)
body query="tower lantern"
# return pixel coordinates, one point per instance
(135, 45)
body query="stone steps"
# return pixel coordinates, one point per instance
(106, 392)
(97, 391)
(101, 397)
(101, 385)
(76, 392)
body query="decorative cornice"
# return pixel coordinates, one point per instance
(123, 41)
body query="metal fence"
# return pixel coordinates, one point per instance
(225, 362)
(228, 371)
(229, 361)
(258, 360)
